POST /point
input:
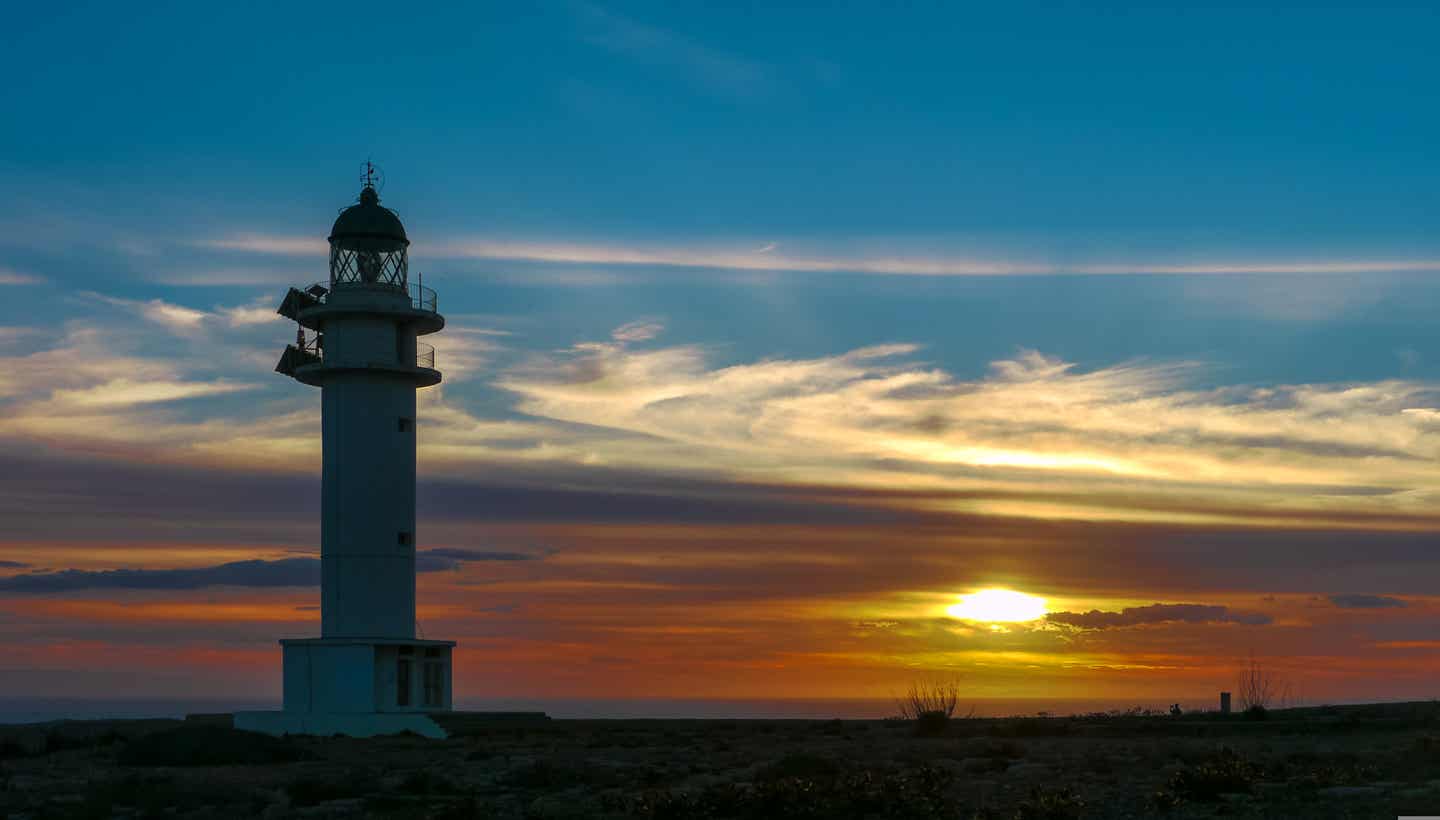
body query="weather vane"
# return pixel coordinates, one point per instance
(372, 177)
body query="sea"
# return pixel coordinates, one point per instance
(40, 710)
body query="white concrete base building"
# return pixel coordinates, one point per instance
(367, 673)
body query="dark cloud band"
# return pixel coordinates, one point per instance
(285, 572)
(1156, 614)
(444, 558)
(1366, 602)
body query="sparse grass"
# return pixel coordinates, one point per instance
(312, 791)
(424, 781)
(1030, 727)
(146, 795)
(564, 774)
(905, 794)
(1101, 766)
(1337, 773)
(799, 764)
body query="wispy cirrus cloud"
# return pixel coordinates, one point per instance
(265, 243)
(127, 392)
(766, 257)
(875, 417)
(226, 275)
(10, 276)
(177, 318)
(123, 381)
(638, 331)
(186, 320)
(713, 68)
(258, 312)
(1035, 437)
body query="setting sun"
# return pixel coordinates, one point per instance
(998, 606)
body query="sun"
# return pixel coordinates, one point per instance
(998, 606)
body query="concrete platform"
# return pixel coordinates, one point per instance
(349, 724)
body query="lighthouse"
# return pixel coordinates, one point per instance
(357, 338)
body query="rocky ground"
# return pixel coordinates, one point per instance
(1329, 762)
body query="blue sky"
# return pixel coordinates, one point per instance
(1093, 269)
(1057, 136)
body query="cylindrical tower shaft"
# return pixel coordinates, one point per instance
(367, 534)
(364, 359)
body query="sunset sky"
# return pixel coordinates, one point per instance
(772, 332)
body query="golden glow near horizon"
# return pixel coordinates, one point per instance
(998, 606)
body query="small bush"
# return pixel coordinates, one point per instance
(1226, 773)
(1256, 712)
(931, 724)
(209, 746)
(1050, 804)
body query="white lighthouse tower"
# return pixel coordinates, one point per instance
(357, 341)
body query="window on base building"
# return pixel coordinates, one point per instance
(434, 694)
(402, 682)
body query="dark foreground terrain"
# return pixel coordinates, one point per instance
(1328, 762)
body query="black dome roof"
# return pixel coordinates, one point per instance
(369, 220)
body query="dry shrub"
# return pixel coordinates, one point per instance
(1260, 688)
(929, 697)
(930, 705)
